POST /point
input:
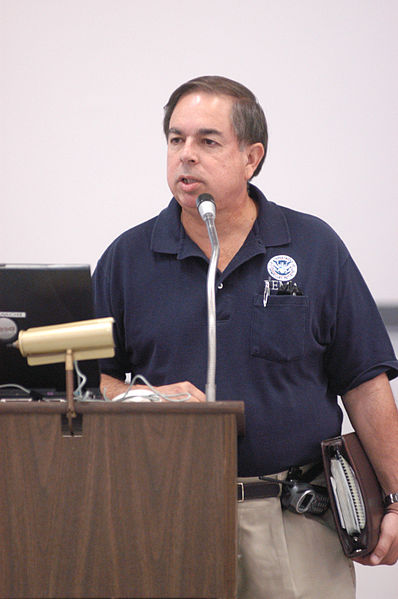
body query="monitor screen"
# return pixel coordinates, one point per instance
(33, 295)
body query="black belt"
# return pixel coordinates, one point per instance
(258, 490)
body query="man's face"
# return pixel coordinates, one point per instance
(203, 153)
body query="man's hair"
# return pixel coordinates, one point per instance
(248, 118)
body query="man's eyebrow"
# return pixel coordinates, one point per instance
(174, 131)
(203, 131)
(210, 132)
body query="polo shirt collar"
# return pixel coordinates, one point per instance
(169, 237)
(271, 226)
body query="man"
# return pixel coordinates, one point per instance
(296, 327)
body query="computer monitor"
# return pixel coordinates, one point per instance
(33, 295)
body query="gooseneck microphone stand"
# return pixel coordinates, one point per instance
(207, 210)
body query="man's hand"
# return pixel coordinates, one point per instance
(111, 387)
(386, 550)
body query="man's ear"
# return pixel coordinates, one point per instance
(254, 154)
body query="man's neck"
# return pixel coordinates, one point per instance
(232, 230)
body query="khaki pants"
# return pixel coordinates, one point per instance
(283, 555)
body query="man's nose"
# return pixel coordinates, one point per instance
(189, 152)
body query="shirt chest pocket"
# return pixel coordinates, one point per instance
(279, 330)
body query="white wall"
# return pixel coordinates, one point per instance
(83, 83)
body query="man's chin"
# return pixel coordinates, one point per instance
(187, 201)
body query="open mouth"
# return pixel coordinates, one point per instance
(188, 180)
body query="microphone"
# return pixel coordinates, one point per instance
(206, 206)
(207, 210)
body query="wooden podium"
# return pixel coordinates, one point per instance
(140, 504)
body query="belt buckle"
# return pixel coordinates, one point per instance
(241, 488)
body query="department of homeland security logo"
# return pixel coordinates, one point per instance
(282, 268)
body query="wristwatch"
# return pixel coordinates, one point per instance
(390, 499)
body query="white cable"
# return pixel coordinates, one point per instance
(83, 380)
(157, 396)
(14, 385)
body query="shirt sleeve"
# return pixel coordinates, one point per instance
(360, 347)
(107, 302)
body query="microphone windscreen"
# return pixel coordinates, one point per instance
(206, 205)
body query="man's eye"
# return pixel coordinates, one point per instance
(174, 140)
(209, 142)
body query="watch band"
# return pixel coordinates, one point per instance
(390, 499)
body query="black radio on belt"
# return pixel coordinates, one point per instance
(301, 497)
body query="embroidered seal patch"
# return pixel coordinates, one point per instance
(282, 268)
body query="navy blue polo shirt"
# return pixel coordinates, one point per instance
(286, 356)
